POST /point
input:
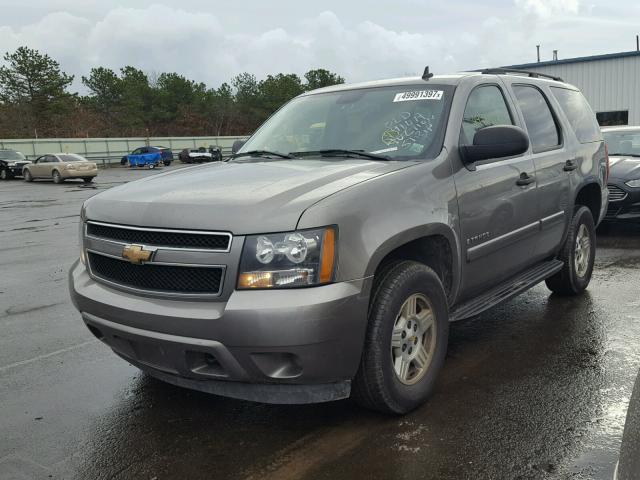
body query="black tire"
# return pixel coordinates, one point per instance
(568, 281)
(124, 161)
(57, 178)
(27, 175)
(166, 162)
(376, 385)
(87, 179)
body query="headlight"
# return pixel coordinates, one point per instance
(285, 260)
(83, 218)
(633, 183)
(70, 166)
(11, 164)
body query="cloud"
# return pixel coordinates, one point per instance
(548, 8)
(208, 47)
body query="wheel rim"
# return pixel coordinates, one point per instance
(56, 176)
(3, 174)
(413, 339)
(582, 251)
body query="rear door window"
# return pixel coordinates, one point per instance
(544, 133)
(581, 118)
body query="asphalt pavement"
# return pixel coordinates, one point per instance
(535, 388)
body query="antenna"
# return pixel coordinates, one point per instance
(426, 75)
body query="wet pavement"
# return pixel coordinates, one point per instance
(535, 388)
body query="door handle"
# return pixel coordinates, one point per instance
(525, 179)
(570, 166)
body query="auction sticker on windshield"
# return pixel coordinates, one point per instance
(418, 95)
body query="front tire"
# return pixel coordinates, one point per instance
(578, 255)
(5, 175)
(406, 340)
(27, 176)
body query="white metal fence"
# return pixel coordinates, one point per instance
(108, 151)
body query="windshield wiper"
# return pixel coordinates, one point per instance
(259, 153)
(335, 152)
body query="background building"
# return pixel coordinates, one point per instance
(610, 82)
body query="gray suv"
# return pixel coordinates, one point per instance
(327, 257)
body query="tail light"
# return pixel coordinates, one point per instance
(608, 170)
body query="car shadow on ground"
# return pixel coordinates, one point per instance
(520, 384)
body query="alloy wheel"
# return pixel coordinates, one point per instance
(413, 339)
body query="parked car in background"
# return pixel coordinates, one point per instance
(624, 180)
(629, 463)
(200, 155)
(152, 156)
(60, 167)
(11, 164)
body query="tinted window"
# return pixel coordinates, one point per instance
(579, 113)
(542, 128)
(485, 107)
(607, 119)
(70, 157)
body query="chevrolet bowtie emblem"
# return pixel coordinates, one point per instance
(136, 254)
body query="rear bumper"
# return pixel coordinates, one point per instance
(285, 346)
(79, 173)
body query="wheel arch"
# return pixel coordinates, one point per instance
(435, 245)
(589, 194)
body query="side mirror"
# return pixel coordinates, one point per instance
(237, 145)
(498, 141)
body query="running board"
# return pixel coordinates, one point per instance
(506, 290)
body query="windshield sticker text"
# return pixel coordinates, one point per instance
(418, 95)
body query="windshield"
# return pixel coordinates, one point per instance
(11, 155)
(624, 142)
(399, 122)
(72, 158)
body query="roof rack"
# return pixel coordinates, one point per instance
(504, 71)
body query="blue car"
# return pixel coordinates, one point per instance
(149, 157)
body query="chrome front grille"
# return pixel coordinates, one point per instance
(178, 263)
(215, 241)
(616, 194)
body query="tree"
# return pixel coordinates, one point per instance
(320, 77)
(105, 96)
(34, 83)
(276, 90)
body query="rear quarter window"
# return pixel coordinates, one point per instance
(581, 118)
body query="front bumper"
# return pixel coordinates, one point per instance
(626, 208)
(15, 171)
(279, 346)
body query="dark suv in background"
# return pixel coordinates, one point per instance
(11, 164)
(327, 257)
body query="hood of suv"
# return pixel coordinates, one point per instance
(624, 168)
(241, 197)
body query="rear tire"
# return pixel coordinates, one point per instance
(27, 176)
(57, 178)
(87, 180)
(578, 255)
(406, 339)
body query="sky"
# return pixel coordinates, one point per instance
(211, 41)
